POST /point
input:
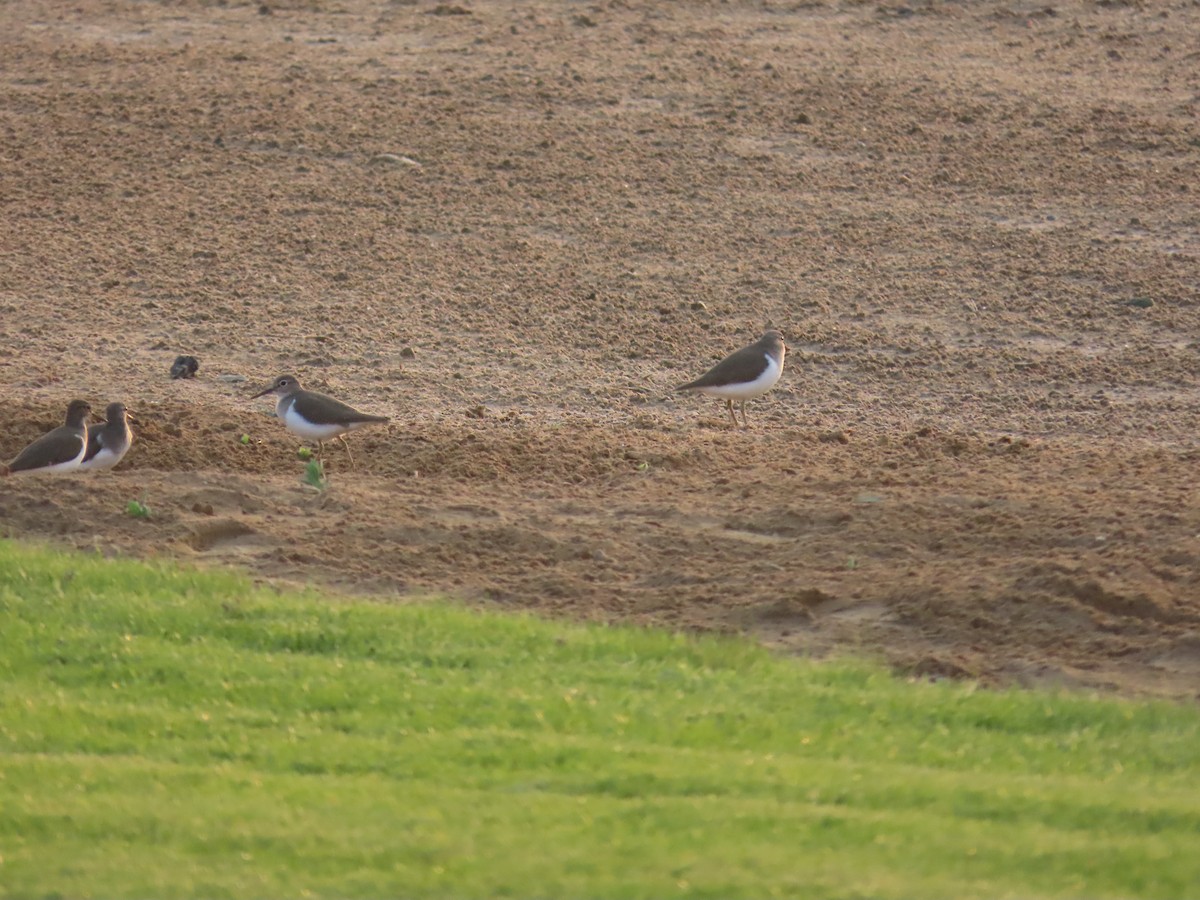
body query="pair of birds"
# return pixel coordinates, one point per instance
(77, 444)
(743, 375)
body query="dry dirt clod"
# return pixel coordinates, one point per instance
(185, 367)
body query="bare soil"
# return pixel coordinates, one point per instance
(516, 227)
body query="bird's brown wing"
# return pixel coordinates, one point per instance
(58, 446)
(320, 408)
(737, 368)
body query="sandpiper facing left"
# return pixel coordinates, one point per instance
(108, 442)
(314, 416)
(743, 374)
(60, 450)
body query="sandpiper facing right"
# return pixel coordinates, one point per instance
(108, 441)
(60, 450)
(743, 374)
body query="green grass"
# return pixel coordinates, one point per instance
(171, 733)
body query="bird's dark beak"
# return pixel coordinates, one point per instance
(132, 418)
(262, 393)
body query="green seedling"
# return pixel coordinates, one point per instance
(314, 475)
(245, 440)
(304, 453)
(137, 509)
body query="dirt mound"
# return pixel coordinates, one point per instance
(514, 231)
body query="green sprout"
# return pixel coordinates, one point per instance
(314, 475)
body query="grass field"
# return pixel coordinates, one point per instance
(173, 733)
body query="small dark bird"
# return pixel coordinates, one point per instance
(744, 374)
(185, 367)
(314, 416)
(60, 450)
(108, 442)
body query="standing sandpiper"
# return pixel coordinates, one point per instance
(744, 374)
(314, 416)
(60, 450)
(108, 442)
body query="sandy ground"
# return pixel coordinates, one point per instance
(515, 227)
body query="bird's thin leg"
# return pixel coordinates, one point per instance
(349, 455)
(745, 424)
(729, 406)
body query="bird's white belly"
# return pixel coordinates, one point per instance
(748, 389)
(57, 467)
(105, 459)
(297, 424)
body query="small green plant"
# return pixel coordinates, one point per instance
(314, 475)
(137, 508)
(304, 453)
(245, 440)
